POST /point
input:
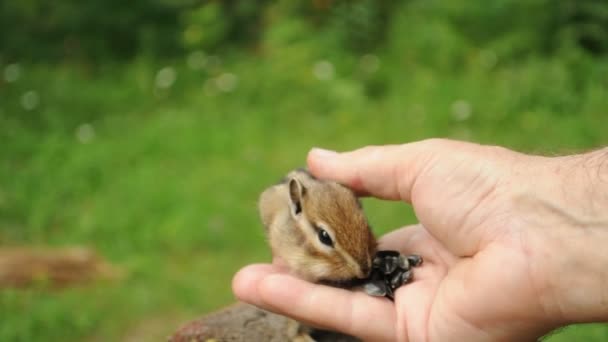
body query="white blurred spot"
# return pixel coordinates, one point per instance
(85, 133)
(461, 110)
(369, 63)
(197, 60)
(226, 82)
(30, 100)
(12, 72)
(488, 59)
(323, 70)
(165, 77)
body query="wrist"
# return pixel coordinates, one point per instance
(574, 240)
(578, 276)
(586, 187)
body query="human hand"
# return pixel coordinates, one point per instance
(497, 231)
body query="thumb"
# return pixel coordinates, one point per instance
(388, 172)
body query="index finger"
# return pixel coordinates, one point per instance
(387, 172)
(353, 313)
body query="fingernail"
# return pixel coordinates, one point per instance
(323, 153)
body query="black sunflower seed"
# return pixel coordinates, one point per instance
(396, 279)
(415, 260)
(375, 288)
(390, 265)
(404, 263)
(390, 294)
(384, 254)
(389, 271)
(406, 277)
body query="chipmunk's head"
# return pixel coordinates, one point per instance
(332, 240)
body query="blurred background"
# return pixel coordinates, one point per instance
(141, 132)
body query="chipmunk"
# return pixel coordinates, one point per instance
(318, 228)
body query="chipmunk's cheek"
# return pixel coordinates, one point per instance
(320, 269)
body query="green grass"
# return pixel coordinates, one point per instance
(166, 185)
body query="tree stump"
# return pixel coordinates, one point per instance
(244, 322)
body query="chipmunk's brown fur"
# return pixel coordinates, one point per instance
(295, 211)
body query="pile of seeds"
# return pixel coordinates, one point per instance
(389, 271)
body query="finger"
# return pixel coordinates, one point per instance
(353, 313)
(415, 239)
(409, 239)
(279, 263)
(265, 286)
(387, 172)
(245, 282)
(414, 300)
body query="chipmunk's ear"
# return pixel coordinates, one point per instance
(296, 192)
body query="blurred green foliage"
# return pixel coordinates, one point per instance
(146, 129)
(94, 30)
(75, 29)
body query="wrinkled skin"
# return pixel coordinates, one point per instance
(494, 233)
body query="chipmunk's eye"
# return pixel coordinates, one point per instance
(324, 237)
